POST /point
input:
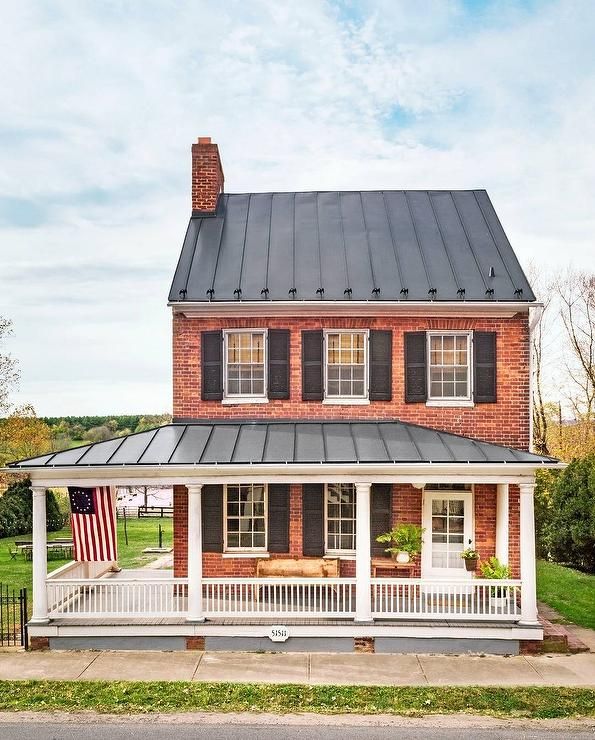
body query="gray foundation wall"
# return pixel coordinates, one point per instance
(395, 645)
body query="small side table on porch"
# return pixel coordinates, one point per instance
(403, 570)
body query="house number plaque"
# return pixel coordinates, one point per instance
(278, 633)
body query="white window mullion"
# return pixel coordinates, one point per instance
(243, 384)
(443, 374)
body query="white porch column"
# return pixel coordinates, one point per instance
(195, 613)
(363, 602)
(527, 535)
(40, 565)
(502, 523)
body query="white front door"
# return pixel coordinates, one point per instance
(448, 523)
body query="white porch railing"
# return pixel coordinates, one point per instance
(397, 598)
(466, 600)
(279, 597)
(106, 597)
(74, 569)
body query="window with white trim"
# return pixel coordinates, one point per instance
(346, 373)
(245, 517)
(245, 362)
(449, 366)
(340, 517)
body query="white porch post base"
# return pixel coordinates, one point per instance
(363, 601)
(40, 565)
(502, 523)
(195, 612)
(527, 535)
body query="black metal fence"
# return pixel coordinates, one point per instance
(13, 617)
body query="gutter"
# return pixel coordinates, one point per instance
(350, 308)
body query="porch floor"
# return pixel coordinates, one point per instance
(260, 621)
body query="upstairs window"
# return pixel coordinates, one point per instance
(346, 365)
(449, 366)
(244, 375)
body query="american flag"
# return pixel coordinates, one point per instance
(93, 524)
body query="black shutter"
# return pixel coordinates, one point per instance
(313, 519)
(278, 517)
(415, 367)
(278, 359)
(484, 366)
(312, 383)
(212, 365)
(381, 375)
(212, 518)
(380, 514)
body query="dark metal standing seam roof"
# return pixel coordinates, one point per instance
(372, 245)
(254, 442)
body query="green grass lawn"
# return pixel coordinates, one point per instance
(126, 697)
(568, 591)
(141, 533)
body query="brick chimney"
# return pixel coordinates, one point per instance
(207, 175)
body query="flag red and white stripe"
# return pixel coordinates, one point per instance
(93, 524)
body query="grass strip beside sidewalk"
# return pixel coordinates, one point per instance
(124, 697)
(568, 591)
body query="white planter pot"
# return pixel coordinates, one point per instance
(498, 602)
(403, 557)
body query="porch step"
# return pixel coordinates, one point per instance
(557, 639)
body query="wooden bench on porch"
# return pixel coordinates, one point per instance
(297, 568)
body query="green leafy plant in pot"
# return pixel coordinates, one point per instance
(404, 540)
(471, 558)
(493, 569)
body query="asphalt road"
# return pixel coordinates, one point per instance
(163, 731)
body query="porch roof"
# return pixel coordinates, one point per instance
(214, 443)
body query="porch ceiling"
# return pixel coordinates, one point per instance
(327, 446)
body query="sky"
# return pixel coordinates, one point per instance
(100, 102)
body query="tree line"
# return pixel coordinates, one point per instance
(563, 362)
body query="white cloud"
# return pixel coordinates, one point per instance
(101, 102)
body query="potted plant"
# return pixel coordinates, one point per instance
(471, 558)
(405, 541)
(493, 569)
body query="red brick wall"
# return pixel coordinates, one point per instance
(485, 520)
(207, 175)
(514, 531)
(505, 422)
(406, 507)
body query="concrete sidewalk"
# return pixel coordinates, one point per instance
(303, 668)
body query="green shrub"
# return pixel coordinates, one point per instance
(544, 482)
(569, 534)
(16, 510)
(403, 538)
(493, 568)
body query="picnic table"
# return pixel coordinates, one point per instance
(61, 547)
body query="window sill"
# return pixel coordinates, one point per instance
(228, 555)
(456, 403)
(346, 401)
(339, 556)
(239, 400)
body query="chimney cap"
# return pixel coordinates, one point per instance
(204, 139)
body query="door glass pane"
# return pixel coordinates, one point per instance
(439, 506)
(448, 527)
(456, 507)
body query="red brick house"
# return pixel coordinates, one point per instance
(342, 362)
